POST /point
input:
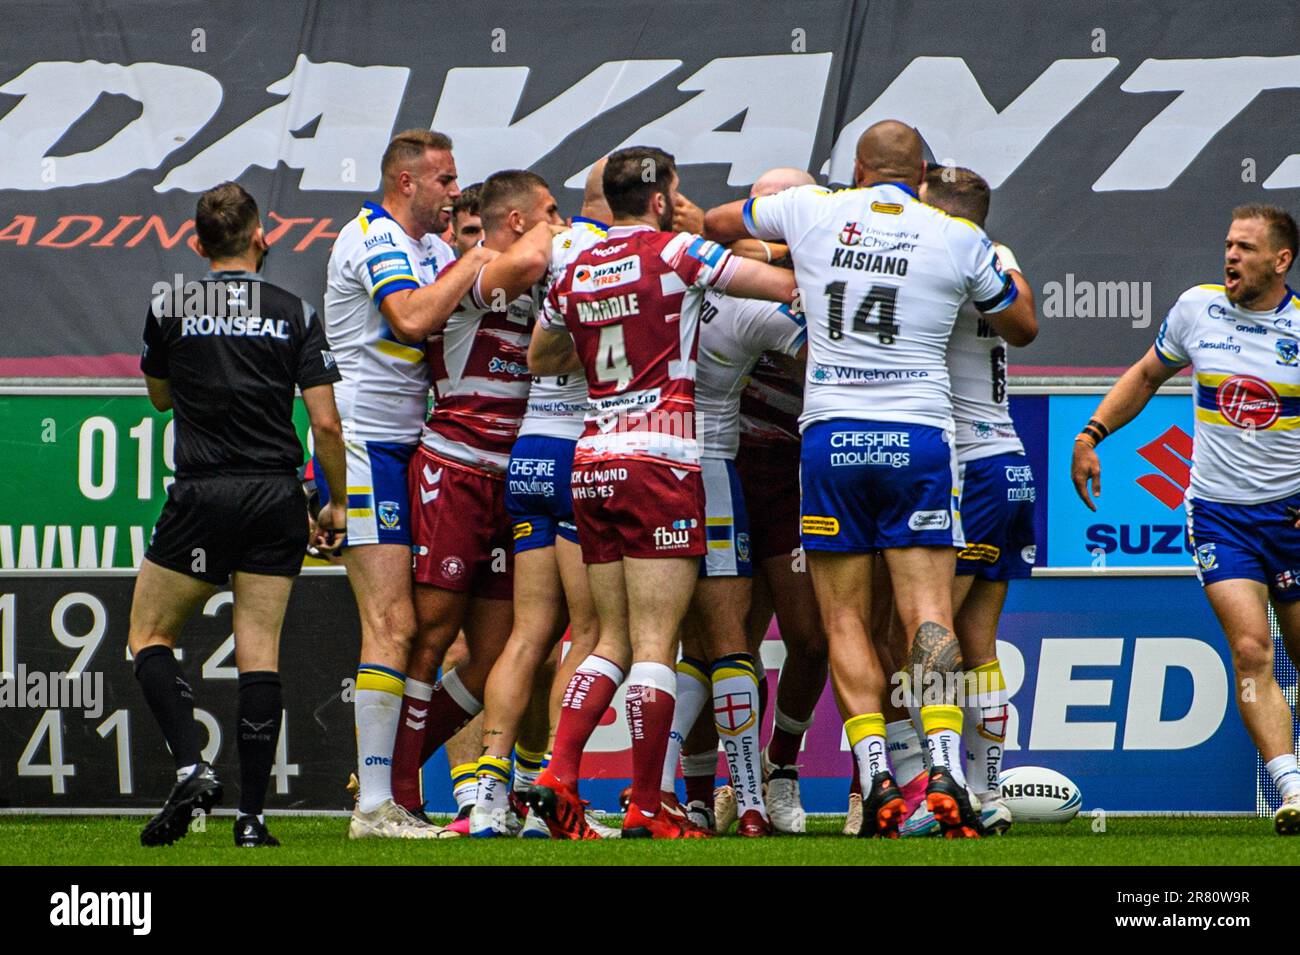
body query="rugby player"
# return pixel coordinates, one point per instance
(768, 463)
(997, 506)
(628, 311)
(463, 560)
(882, 276)
(236, 507)
(717, 662)
(1243, 503)
(381, 303)
(550, 588)
(466, 222)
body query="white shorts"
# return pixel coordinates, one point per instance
(726, 523)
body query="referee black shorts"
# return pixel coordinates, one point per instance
(212, 526)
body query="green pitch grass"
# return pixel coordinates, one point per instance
(34, 840)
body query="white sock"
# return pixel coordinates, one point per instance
(692, 692)
(914, 712)
(946, 752)
(872, 757)
(1285, 773)
(492, 782)
(377, 708)
(984, 734)
(735, 713)
(905, 751)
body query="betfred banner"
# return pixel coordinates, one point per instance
(1123, 684)
(1116, 136)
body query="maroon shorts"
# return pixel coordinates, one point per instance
(460, 532)
(769, 477)
(630, 508)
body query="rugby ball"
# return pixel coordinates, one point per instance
(1038, 794)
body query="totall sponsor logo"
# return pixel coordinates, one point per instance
(1248, 402)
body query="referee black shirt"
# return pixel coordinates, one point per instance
(232, 371)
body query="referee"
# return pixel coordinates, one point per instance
(226, 361)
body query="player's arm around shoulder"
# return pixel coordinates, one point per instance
(551, 352)
(415, 314)
(1017, 324)
(518, 268)
(752, 279)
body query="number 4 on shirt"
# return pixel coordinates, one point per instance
(611, 357)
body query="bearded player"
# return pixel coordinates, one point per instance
(628, 312)
(381, 303)
(883, 276)
(460, 530)
(1243, 503)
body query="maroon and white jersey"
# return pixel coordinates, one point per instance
(481, 390)
(632, 305)
(770, 406)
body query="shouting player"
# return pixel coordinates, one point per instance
(628, 312)
(1243, 503)
(460, 530)
(882, 276)
(381, 303)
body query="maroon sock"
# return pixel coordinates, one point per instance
(412, 726)
(783, 749)
(446, 719)
(700, 789)
(586, 699)
(650, 718)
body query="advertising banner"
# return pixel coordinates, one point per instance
(1123, 684)
(1116, 136)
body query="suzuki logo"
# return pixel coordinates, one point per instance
(1171, 454)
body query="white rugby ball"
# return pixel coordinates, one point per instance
(1039, 794)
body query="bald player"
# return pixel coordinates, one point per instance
(882, 276)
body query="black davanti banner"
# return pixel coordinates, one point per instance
(1117, 135)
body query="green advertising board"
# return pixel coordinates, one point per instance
(85, 474)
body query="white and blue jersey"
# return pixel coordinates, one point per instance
(997, 483)
(384, 392)
(538, 497)
(1246, 444)
(883, 275)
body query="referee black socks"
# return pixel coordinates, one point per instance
(258, 733)
(170, 700)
